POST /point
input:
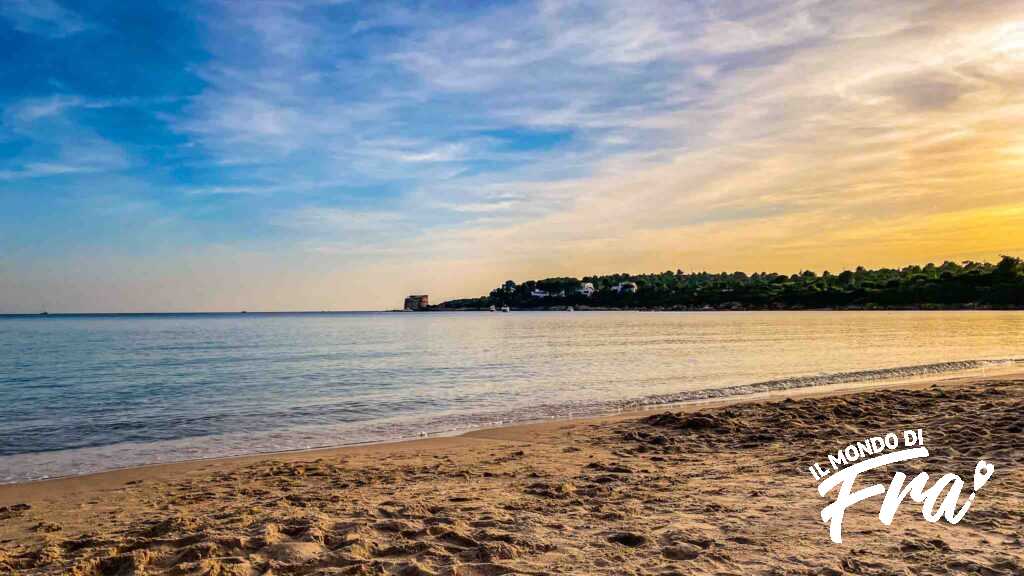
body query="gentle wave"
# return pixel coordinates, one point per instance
(81, 395)
(860, 376)
(599, 408)
(41, 465)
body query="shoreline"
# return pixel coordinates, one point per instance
(806, 386)
(551, 308)
(585, 308)
(717, 487)
(511, 431)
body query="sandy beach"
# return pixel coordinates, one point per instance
(543, 287)
(719, 488)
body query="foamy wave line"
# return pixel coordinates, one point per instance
(900, 373)
(597, 408)
(35, 466)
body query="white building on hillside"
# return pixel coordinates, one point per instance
(586, 289)
(625, 288)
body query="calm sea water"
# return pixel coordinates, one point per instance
(85, 393)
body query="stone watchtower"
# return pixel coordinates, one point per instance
(417, 302)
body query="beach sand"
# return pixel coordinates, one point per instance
(711, 489)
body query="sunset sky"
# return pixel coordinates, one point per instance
(159, 156)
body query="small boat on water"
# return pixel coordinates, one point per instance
(570, 309)
(493, 309)
(505, 308)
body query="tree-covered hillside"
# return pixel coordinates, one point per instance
(948, 285)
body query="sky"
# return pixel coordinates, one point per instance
(329, 155)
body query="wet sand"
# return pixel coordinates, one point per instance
(719, 488)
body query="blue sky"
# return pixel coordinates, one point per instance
(332, 154)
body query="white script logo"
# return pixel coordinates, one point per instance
(846, 464)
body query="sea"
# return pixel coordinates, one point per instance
(87, 393)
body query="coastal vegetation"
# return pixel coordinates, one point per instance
(948, 285)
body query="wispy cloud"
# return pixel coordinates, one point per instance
(317, 218)
(43, 17)
(59, 144)
(31, 110)
(831, 134)
(564, 137)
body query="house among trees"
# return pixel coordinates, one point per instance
(417, 302)
(968, 285)
(625, 288)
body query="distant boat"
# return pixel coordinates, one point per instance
(505, 308)
(570, 309)
(493, 309)
(44, 313)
